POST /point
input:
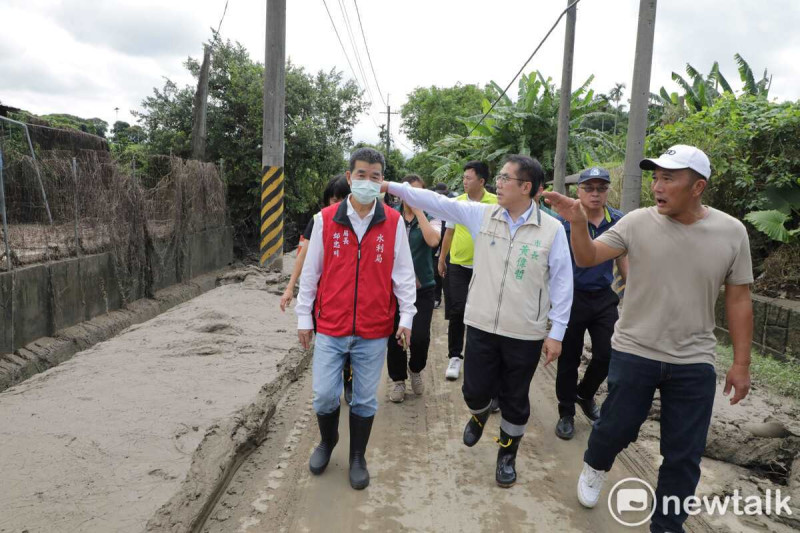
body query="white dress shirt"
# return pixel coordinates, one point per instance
(470, 214)
(403, 279)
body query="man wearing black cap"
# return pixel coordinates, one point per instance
(594, 308)
(681, 253)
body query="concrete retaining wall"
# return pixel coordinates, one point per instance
(40, 300)
(776, 326)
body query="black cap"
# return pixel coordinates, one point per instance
(594, 173)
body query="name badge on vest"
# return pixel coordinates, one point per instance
(345, 239)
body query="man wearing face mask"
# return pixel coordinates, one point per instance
(358, 271)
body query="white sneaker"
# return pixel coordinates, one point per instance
(398, 392)
(589, 485)
(417, 385)
(453, 369)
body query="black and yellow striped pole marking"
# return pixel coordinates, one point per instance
(271, 213)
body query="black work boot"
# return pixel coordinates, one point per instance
(565, 429)
(589, 408)
(474, 428)
(360, 428)
(505, 475)
(329, 436)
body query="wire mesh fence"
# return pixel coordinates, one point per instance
(66, 195)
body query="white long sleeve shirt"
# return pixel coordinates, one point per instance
(403, 278)
(470, 214)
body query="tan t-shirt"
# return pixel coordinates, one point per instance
(674, 278)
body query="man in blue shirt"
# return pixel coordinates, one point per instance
(594, 307)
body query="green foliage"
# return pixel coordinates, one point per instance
(701, 91)
(528, 126)
(780, 377)
(95, 126)
(432, 113)
(753, 147)
(321, 110)
(124, 137)
(424, 164)
(395, 161)
(167, 119)
(773, 224)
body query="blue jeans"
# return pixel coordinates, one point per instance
(687, 399)
(366, 357)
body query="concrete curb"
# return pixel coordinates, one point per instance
(48, 352)
(223, 449)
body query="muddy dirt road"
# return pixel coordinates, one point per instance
(422, 476)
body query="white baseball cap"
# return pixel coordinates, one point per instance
(680, 156)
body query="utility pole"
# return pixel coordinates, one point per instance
(272, 148)
(200, 108)
(562, 137)
(388, 114)
(640, 97)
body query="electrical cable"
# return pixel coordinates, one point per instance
(344, 51)
(369, 57)
(224, 11)
(573, 4)
(349, 29)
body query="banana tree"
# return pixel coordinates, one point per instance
(528, 125)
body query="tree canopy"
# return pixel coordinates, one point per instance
(321, 110)
(432, 113)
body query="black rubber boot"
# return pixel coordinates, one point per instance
(565, 429)
(474, 428)
(360, 428)
(329, 436)
(506, 475)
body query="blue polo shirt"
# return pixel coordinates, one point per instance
(600, 276)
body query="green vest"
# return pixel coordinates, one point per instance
(421, 253)
(462, 247)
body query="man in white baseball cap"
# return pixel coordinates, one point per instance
(678, 157)
(680, 253)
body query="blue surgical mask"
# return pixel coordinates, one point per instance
(365, 191)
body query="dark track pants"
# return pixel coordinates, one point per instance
(456, 289)
(500, 367)
(597, 312)
(420, 339)
(687, 398)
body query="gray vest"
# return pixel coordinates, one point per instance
(509, 292)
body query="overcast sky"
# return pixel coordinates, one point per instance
(87, 57)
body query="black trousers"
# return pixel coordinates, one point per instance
(420, 339)
(597, 312)
(456, 289)
(500, 367)
(437, 289)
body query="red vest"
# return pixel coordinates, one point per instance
(355, 295)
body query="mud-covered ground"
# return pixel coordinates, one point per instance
(138, 433)
(425, 479)
(101, 442)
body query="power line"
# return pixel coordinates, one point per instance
(224, 11)
(573, 4)
(349, 29)
(371, 66)
(344, 51)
